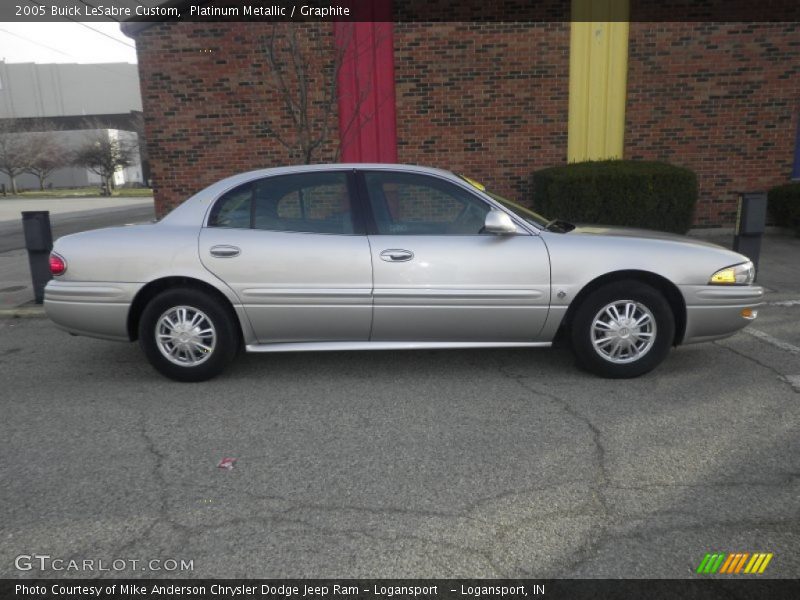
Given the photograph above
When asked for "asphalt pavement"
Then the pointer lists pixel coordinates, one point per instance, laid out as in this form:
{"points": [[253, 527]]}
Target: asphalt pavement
{"points": [[490, 463]]}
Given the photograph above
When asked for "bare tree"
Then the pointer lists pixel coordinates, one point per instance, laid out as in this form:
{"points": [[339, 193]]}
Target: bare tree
{"points": [[305, 82], [46, 154], [104, 155], [15, 153], [137, 126]]}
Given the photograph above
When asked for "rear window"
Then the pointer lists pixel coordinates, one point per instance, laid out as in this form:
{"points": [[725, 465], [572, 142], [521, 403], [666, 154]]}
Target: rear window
{"points": [[233, 209], [303, 202]]}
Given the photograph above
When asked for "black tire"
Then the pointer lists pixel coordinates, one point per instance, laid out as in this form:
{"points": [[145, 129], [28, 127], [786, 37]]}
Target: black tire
{"points": [[594, 347], [212, 312]]}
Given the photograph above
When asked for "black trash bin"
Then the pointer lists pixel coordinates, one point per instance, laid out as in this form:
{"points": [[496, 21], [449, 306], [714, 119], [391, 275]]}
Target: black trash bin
{"points": [[751, 219], [38, 243]]}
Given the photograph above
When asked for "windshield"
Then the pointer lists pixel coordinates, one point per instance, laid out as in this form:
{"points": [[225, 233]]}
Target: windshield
{"points": [[526, 214]]}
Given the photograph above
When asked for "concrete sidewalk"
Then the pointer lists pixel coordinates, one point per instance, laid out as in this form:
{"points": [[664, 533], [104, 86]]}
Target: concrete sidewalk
{"points": [[779, 271], [10, 208], [15, 280]]}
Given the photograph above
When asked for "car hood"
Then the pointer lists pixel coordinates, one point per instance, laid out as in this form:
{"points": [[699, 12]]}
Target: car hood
{"points": [[645, 234]]}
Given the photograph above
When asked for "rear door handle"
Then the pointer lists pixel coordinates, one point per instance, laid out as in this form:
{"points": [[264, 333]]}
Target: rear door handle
{"points": [[225, 251], [396, 255]]}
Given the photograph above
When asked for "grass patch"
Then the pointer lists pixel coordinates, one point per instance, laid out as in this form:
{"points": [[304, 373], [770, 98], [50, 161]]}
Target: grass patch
{"points": [[87, 192]]}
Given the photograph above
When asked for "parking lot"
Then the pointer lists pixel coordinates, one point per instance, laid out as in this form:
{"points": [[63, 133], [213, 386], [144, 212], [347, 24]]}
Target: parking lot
{"points": [[473, 463], [491, 463]]}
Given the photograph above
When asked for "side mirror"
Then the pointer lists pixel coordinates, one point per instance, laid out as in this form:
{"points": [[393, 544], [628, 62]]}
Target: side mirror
{"points": [[499, 222]]}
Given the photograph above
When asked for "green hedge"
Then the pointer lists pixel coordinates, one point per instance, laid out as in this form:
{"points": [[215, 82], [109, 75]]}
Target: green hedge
{"points": [[783, 203], [652, 195]]}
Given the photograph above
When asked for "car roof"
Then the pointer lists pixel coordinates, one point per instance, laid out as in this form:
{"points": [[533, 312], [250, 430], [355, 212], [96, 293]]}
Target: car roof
{"points": [[248, 175]]}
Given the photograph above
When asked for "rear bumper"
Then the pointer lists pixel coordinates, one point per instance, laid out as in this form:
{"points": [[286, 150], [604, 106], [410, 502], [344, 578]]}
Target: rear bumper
{"points": [[90, 308], [714, 312]]}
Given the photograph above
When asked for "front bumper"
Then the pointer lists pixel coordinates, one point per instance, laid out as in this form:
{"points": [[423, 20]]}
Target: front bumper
{"points": [[93, 309], [714, 312]]}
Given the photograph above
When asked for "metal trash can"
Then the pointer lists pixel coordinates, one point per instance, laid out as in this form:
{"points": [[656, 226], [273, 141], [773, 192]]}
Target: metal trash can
{"points": [[38, 243], [751, 219]]}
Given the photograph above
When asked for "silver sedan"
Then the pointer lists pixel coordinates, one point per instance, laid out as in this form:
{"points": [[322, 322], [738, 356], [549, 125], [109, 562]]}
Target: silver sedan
{"points": [[387, 257]]}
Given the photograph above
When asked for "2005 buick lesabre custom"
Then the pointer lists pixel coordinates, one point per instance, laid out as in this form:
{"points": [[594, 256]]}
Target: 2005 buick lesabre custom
{"points": [[363, 257]]}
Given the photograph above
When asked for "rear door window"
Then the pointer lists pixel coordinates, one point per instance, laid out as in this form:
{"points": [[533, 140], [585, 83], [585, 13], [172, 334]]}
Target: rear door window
{"points": [[305, 202], [233, 208]]}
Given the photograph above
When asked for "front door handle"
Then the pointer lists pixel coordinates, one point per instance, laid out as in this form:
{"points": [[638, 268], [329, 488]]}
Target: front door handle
{"points": [[225, 251], [396, 255]]}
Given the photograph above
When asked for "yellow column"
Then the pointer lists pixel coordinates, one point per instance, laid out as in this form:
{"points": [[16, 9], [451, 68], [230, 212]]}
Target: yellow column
{"points": [[598, 75]]}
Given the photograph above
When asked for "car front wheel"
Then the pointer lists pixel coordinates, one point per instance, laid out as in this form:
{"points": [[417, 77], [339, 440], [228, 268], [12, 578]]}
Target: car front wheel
{"points": [[187, 336], [622, 329]]}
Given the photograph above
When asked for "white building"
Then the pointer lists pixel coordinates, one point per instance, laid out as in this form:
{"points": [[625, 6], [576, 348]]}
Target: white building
{"points": [[68, 97]]}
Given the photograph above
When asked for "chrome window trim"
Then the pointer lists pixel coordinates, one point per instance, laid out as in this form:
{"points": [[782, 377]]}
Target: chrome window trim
{"points": [[446, 176]]}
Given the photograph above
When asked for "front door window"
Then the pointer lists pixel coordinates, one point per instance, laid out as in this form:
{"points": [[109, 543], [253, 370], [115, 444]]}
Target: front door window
{"points": [[411, 204]]}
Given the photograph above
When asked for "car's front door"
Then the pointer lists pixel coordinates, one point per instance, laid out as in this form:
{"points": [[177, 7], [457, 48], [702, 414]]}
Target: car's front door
{"points": [[437, 277], [290, 248]]}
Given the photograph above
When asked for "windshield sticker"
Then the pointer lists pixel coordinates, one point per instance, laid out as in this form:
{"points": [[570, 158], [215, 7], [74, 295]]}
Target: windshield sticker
{"points": [[474, 183]]}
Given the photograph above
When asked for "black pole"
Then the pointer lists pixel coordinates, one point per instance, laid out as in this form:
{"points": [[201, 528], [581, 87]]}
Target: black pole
{"points": [[38, 243]]}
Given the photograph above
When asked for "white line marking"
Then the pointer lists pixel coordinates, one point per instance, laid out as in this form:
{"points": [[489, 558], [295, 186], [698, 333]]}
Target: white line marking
{"points": [[784, 303], [765, 337]]}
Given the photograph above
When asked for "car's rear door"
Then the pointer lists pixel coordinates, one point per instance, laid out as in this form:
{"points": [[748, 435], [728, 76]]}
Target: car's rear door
{"points": [[293, 251], [437, 277]]}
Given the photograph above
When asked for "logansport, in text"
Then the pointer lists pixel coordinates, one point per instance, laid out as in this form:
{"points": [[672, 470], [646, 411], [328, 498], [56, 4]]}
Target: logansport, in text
{"points": [[282, 590]]}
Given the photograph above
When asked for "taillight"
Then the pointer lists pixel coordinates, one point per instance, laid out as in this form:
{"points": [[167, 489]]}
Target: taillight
{"points": [[58, 265]]}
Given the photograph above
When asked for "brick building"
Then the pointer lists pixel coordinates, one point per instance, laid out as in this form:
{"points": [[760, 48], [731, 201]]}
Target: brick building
{"points": [[494, 100]]}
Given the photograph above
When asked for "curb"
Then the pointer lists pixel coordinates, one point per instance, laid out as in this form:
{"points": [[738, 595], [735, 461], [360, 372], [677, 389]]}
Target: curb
{"points": [[23, 312]]}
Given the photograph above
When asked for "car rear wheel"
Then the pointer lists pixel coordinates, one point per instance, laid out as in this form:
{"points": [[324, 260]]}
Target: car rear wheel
{"points": [[187, 335], [622, 329]]}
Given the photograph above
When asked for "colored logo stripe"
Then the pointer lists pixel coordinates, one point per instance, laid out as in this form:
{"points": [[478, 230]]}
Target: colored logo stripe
{"points": [[758, 563], [734, 562], [711, 562], [729, 563]]}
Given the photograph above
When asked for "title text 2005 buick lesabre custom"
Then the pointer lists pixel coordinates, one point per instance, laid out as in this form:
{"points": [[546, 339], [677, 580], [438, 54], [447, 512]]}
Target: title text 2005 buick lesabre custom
{"points": [[362, 257]]}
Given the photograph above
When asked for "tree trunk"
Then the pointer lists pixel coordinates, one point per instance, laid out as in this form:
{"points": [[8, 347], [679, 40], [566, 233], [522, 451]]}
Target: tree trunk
{"points": [[13, 179], [41, 183]]}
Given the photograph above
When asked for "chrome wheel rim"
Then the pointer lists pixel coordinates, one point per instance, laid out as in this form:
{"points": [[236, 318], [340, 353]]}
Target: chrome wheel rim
{"points": [[185, 336], [623, 331]]}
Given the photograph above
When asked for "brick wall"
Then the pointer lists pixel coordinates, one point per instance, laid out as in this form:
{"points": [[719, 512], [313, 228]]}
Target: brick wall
{"points": [[209, 103], [719, 98], [486, 99], [489, 100]]}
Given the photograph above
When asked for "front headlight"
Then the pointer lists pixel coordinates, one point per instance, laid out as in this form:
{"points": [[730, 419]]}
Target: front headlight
{"points": [[742, 274]]}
